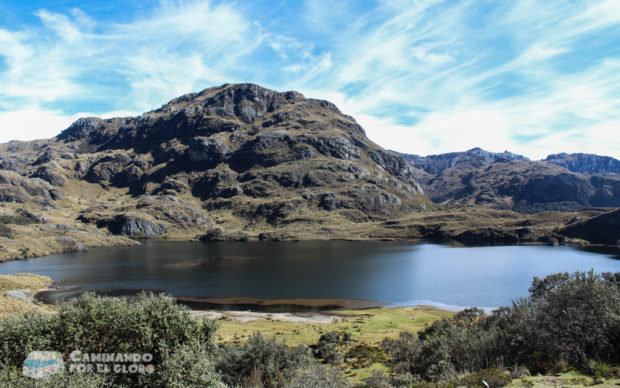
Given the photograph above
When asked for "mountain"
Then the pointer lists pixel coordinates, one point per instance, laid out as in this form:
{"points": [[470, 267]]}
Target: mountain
{"points": [[234, 157], [509, 181], [586, 163]]}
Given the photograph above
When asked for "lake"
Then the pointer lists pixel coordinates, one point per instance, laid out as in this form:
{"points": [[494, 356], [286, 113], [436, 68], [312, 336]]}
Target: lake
{"points": [[393, 273]]}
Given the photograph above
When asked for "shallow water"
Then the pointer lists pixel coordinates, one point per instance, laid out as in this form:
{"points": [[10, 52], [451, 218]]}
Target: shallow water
{"points": [[398, 273]]}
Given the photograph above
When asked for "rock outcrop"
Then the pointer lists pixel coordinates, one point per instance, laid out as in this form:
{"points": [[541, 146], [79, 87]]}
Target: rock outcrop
{"points": [[602, 229]]}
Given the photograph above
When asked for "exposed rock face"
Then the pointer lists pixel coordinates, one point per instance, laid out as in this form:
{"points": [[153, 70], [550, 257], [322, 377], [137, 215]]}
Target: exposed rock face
{"points": [[586, 163], [509, 181], [602, 229], [434, 164], [249, 154], [134, 226]]}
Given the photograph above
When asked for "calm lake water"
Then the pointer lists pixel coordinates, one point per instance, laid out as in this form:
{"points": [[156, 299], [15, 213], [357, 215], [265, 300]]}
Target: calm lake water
{"points": [[393, 273]]}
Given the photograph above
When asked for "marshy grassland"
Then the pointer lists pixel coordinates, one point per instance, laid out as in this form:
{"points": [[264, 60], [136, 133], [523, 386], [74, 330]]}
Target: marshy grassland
{"points": [[367, 326]]}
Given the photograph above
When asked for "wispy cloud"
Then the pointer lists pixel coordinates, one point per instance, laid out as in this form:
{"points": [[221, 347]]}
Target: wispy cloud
{"points": [[531, 76]]}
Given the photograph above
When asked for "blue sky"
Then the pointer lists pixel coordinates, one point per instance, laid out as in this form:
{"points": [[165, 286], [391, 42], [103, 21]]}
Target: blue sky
{"points": [[530, 76]]}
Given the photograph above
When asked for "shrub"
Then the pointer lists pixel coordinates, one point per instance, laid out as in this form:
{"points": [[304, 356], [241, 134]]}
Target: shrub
{"points": [[188, 367], [263, 359], [327, 348], [568, 321], [378, 379], [13, 378], [318, 376], [5, 230], [91, 324]]}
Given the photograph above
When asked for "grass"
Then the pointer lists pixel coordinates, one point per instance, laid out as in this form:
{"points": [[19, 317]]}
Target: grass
{"points": [[566, 379], [366, 326], [10, 306]]}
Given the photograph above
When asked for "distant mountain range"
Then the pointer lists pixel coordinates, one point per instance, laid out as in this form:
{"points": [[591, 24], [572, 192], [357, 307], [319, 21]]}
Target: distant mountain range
{"points": [[510, 181]]}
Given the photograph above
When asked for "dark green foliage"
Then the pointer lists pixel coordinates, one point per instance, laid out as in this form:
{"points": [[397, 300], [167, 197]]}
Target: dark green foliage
{"points": [[91, 324], [318, 376], [568, 321], [327, 348], [13, 378], [5, 230], [605, 370], [189, 366], [261, 360], [378, 379]]}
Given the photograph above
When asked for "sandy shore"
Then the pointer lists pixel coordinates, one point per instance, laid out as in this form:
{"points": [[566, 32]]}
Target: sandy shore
{"points": [[249, 316]]}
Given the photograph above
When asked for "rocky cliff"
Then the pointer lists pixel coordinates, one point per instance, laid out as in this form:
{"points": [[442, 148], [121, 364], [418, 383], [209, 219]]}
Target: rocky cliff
{"points": [[510, 181]]}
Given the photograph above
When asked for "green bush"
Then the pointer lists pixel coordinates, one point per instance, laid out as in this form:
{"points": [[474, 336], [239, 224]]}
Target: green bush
{"points": [[91, 324], [261, 360], [317, 376], [5, 230], [568, 321], [13, 378]]}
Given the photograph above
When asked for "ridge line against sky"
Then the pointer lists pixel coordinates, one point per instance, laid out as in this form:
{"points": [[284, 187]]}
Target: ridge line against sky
{"points": [[534, 77]]}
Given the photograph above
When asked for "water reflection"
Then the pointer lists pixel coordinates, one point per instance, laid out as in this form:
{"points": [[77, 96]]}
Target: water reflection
{"points": [[394, 272]]}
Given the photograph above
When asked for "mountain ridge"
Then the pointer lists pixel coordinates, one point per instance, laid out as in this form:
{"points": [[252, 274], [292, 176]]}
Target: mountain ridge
{"points": [[510, 181]]}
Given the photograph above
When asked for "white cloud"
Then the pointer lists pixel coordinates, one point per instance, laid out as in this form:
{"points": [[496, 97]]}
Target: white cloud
{"points": [[32, 124], [421, 76]]}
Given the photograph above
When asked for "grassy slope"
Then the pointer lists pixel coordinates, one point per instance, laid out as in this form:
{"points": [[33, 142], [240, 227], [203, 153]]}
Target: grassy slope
{"points": [[9, 306]]}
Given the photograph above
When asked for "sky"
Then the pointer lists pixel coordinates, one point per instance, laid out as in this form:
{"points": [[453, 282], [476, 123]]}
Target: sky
{"points": [[534, 77]]}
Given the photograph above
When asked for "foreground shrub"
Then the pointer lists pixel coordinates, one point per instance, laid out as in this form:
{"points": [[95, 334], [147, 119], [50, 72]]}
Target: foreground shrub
{"points": [[13, 378], [327, 349], [189, 366], [318, 376], [91, 324], [568, 321], [261, 361]]}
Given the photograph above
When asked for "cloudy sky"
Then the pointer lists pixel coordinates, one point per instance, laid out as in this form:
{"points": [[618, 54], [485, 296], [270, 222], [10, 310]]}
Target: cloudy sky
{"points": [[530, 76]]}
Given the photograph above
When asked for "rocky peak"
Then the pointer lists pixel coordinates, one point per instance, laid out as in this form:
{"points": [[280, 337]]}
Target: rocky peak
{"points": [[80, 129], [586, 163], [434, 164]]}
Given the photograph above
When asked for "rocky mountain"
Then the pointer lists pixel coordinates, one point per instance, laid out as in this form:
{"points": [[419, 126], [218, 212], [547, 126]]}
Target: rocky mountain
{"points": [[586, 163], [237, 157], [475, 158], [509, 181]]}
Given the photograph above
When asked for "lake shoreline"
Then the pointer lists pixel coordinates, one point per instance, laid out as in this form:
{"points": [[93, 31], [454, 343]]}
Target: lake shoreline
{"points": [[293, 239]]}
